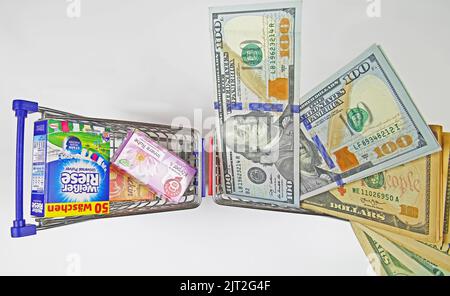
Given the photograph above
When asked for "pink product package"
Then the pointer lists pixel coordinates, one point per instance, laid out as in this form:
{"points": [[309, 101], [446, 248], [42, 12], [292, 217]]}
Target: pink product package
{"points": [[153, 165]]}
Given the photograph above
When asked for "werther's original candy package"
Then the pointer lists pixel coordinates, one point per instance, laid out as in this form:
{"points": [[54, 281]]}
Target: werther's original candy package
{"points": [[70, 169], [154, 165]]}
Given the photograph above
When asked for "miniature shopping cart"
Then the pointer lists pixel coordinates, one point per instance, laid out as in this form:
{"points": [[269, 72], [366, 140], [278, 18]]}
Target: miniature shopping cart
{"points": [[189, 147], [215, 188]]}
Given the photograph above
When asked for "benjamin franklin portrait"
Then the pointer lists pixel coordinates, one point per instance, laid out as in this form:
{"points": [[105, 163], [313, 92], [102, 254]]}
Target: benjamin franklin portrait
{"points": [[261, 139]]}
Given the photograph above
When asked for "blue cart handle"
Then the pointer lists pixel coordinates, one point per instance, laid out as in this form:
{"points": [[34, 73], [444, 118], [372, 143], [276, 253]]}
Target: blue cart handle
{"points": [[21, 109]]}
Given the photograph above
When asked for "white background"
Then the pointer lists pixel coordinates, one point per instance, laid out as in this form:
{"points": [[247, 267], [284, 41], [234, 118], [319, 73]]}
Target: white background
{"points": [[150, 61]]}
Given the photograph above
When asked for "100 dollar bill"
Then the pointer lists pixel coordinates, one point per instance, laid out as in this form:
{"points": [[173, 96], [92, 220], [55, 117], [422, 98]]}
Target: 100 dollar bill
{"points": [[357, 123], [391, 259], [256, 65], [405, 199]]}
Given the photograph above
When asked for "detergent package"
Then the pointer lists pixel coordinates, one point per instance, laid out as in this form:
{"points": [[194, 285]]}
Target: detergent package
{"points": [[70, 174], [163, 171]]}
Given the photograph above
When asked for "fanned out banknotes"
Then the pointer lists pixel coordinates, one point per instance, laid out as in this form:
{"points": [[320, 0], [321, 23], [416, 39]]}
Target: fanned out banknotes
{"points": [[390, 252], [405, 199], [385, 228], [355, 147], [357, 123], [280, 149]]}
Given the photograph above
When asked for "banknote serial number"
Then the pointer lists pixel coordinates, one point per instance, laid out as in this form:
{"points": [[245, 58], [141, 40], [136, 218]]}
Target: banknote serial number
{"points": [[380, 135], [378, 195]]}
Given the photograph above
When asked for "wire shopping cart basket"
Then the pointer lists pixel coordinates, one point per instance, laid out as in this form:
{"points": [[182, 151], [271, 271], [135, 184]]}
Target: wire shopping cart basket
{"points": [[189, 146], [221, 198]]}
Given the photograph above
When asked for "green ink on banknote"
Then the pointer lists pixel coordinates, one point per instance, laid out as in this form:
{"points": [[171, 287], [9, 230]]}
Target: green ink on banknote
{"points": [[375, 181], [252, 54], [357, 117]]}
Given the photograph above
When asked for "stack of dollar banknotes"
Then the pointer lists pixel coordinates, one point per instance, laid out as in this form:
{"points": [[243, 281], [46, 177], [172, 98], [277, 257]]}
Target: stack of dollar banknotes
{"points": [[355, 147]]}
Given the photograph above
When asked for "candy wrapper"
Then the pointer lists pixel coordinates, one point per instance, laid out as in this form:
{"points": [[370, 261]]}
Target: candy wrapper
{"points": [[124, 187], [153, 165]]}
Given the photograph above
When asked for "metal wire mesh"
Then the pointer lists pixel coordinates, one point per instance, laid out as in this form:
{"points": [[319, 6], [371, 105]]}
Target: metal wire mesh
{"points": [[223, 199], [185, 142]]}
